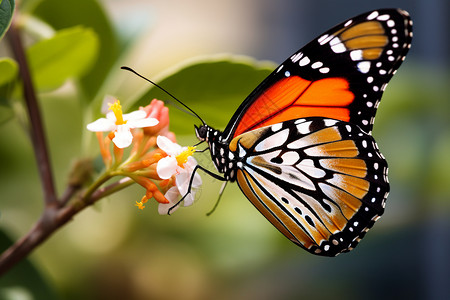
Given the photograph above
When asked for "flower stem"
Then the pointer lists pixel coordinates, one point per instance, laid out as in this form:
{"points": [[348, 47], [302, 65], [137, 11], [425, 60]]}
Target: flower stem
{"points": [[36, 127]]}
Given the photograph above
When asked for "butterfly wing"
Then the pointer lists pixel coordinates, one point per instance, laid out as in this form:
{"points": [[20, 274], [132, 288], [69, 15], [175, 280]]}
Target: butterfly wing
{"points": [[321, 182], [341, 75]]}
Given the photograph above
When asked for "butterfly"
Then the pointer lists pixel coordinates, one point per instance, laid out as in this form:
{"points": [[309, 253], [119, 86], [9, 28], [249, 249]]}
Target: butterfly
{"points": [[300, 145]]}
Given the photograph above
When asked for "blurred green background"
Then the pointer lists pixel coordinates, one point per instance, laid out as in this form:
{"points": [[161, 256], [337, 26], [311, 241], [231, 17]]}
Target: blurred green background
{"points": [[114, 251]]}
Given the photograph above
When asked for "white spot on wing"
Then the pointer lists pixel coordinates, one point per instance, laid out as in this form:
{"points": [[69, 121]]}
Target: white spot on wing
{"points": [[322, 39], [275, 140], [364, 66], [373, 15], [279, 68], [295, 58], [303, 128], [335, 41], [338, 48], [290, 158], [268, 156], [307, 166], [304, 61], [383, 18], [316, 65], [356, 55], [329, 122], [276, 127]]}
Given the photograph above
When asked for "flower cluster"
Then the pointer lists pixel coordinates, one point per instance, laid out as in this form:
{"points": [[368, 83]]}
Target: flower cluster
{"points": [[156, 162]]}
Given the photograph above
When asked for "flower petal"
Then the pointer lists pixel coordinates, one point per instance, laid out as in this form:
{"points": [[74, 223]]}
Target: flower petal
{"points": [[111, 116], [141, 123], [166, 167], [135, 115], [172, 195], [101, 124], [167, 145], [197, 182], [189, 199], [122, 137], [182, 181]]}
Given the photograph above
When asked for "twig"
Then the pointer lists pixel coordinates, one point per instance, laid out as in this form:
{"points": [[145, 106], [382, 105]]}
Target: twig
{"points": [[52, 219], [36, 127]]}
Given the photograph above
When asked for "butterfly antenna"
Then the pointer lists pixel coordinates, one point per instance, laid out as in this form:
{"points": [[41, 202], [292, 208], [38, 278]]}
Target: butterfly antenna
{"points": [[165, 91]]}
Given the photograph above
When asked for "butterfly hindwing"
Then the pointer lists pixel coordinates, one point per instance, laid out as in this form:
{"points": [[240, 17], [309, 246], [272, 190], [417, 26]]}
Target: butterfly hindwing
{"points": [[341, 75], [321, 182]]}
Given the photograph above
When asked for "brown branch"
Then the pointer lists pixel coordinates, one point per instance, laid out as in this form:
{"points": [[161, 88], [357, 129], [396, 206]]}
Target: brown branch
{"points": [[51, 220], [45, 227], [36, 127]]}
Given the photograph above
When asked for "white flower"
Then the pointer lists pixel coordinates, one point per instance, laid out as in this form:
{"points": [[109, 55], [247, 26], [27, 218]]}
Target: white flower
{"points": [[178, 162], [122, 124], [172, 195]]}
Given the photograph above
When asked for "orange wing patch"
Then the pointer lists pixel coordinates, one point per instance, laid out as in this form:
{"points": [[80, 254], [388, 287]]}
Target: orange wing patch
{"points": [[370, 37], [346, 148], [294, 97], [350, 166], [348, 204], [271, 211]]}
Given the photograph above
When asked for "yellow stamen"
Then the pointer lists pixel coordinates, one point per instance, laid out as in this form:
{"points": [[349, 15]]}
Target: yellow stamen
{"points": [[183, 156], [117, 109], [140, 205]]}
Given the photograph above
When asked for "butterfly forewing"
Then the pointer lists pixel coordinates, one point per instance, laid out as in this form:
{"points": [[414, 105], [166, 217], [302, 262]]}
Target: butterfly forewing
{"points": [[341, 75], [321, 182]]}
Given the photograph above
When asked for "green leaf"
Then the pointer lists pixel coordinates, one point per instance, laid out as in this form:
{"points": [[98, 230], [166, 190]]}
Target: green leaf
{"points": [[213, 87], [6, 13], [68, 54], [8, 70], [89, 13]]}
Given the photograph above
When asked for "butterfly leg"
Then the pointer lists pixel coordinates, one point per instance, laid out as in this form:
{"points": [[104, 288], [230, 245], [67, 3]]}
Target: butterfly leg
{"points": [[218, 199], [197, 167]]}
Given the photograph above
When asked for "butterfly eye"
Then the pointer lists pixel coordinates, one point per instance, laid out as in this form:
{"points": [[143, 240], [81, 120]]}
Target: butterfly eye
{"points": [[201, 132]]}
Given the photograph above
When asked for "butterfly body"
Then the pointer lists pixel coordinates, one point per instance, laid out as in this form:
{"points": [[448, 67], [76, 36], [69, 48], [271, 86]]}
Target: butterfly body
{"points": [[225, 160], [300, 145]]}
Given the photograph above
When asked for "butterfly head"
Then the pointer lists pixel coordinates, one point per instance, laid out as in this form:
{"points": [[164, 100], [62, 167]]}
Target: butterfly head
{"points": [[201, 132]]}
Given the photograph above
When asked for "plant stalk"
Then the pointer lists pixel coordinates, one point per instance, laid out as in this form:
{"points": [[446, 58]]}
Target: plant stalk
{"points": [[36, 127]]}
